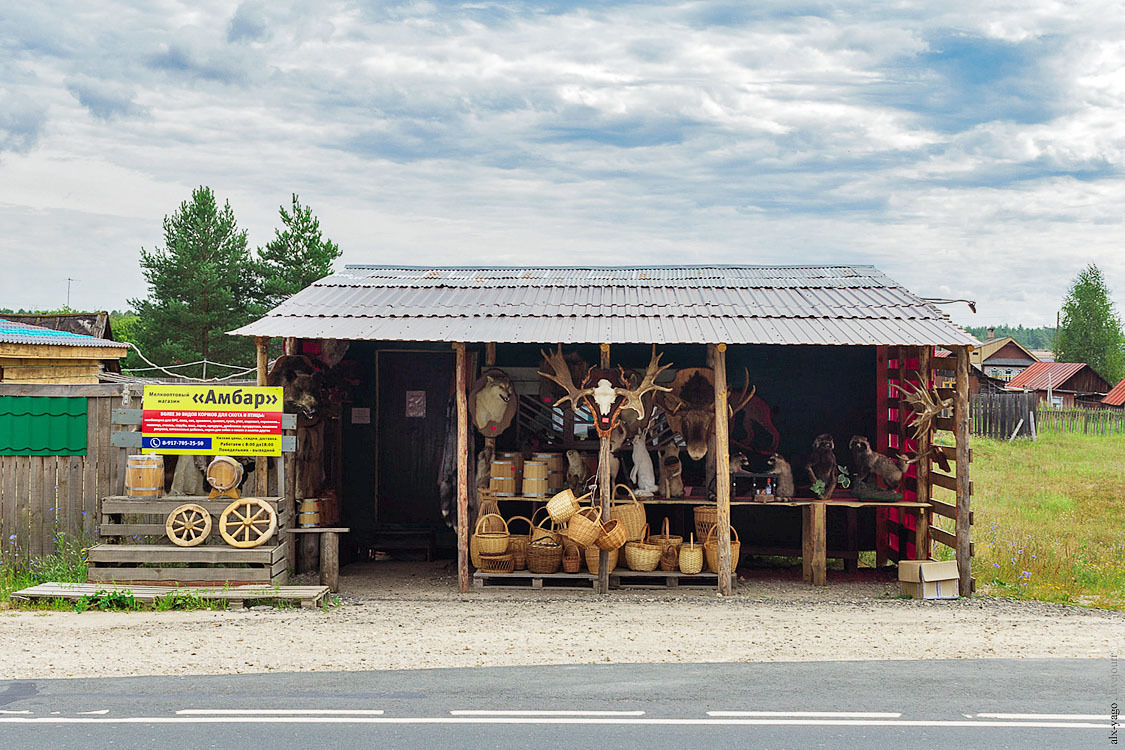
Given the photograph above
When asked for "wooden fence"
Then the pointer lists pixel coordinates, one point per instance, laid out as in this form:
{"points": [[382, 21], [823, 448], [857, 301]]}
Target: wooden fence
{"points": [[1000, 415], [1099, 422], [43, 496]]}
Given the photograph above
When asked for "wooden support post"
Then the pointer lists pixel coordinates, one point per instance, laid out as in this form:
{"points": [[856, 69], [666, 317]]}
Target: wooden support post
{"points": [[261, 464], [851, 520], [722, 466], [961, 432], [882, 550], [462, 470], [922, 480], [330, 560], [605, 487]]}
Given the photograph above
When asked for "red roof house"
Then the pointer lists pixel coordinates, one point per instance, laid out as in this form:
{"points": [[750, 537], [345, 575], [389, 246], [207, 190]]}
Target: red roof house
{"points": [[1116, 397], [1065, 383]]}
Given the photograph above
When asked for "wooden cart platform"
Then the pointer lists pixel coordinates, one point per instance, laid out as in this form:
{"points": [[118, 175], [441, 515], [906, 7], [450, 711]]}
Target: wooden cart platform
{"points": [[617, 579], [307, 596]]}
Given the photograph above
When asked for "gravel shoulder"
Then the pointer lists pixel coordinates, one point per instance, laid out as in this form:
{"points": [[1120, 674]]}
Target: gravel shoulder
{"points": [[410, 616]]}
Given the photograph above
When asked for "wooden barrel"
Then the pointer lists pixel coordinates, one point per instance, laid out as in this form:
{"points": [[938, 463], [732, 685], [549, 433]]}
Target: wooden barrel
{"points": [[144, 476], [503, 481], [535, 486], [534, 470], [516, 459], [224, 473], [555, 461], [309, 513]]}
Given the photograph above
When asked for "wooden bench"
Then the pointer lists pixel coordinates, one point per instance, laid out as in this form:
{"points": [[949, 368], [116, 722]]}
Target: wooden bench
{"points": [[329, 552]]}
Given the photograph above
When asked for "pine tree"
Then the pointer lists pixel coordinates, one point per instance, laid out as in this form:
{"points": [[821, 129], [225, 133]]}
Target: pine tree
{"points": [[296, 257], [201, 284], [1090, 330]]}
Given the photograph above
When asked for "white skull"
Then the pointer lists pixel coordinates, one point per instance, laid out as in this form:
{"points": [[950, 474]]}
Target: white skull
{"points": [[604, 396]]}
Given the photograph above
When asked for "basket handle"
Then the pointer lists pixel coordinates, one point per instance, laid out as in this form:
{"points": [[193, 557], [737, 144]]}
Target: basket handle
{"points": [[712, 531], [520, 518], [664, 528], [644, 533], [578, 500], [540, 524], [487, 515], [627, 489], [597, 513]]}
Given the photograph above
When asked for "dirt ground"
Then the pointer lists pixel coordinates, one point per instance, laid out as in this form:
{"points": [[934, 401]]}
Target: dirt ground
{"points": [[409, 615]]}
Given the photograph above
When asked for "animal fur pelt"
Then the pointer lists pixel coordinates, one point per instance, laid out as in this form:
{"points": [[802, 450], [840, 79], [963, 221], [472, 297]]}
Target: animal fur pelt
{"points": [[642, 476], [822, 465], [671, 471], [484, 466], [301, 383], [447, 475], [867, 462], [783, 486], [493, 402]]}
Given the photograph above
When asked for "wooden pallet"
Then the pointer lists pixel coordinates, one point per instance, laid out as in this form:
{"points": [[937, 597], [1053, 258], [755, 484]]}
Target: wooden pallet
{"points": [[307, 596], [135, 516], [206, 564], [617, 579]]}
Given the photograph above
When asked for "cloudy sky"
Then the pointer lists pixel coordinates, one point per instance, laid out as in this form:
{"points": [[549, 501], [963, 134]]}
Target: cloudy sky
{"points": [[967, 149]]}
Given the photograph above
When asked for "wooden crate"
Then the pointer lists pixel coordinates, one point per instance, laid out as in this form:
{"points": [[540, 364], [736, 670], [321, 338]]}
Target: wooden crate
{"points": [[204, 564]]}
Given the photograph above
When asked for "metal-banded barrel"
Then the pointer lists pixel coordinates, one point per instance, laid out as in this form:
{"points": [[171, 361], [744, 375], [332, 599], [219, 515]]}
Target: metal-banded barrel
{"points": [[144, 476]]}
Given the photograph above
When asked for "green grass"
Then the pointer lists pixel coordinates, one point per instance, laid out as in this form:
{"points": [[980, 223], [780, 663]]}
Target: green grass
{"points": [[66, 564], [1049, 519]]}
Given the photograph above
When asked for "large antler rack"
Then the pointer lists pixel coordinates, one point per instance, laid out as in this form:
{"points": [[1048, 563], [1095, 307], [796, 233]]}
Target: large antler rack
{"points": [[561, 376], [634, 396], [925, 403], [738, 403]]}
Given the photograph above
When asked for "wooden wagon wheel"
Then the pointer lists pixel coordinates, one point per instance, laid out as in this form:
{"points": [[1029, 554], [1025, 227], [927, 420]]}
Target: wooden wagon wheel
{"points": [[247, 522], [188, 525]]}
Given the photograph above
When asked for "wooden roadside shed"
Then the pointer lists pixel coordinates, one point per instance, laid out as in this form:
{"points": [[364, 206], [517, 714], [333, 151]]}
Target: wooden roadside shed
{"points": [[826, 347], [35, 354]]}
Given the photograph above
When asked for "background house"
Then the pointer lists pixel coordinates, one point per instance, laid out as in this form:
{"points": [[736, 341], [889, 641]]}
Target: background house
{"points": [[1002, 358], [1115, 399], [33, 354], [1064, 384], [94, 324]]}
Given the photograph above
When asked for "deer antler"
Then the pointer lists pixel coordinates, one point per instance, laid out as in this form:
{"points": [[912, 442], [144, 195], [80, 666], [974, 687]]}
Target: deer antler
{"points": [[926, 405], [739, 403], [561, 376], [648, 384]]}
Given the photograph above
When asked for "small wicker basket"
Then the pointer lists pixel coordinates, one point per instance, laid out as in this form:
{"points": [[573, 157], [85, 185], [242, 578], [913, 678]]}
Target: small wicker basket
{"points": [[630, 514], [504, 563], [612, 536], [691, 557], [492, 534], [571, 559], [517, 543], [706, 516], [711, 550], [642, 556], [563, 506], [585, 526], [544, 556], [592, 559]]}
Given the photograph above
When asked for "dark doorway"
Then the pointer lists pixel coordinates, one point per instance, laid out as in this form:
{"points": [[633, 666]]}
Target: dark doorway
{"points": [[413, 391]]}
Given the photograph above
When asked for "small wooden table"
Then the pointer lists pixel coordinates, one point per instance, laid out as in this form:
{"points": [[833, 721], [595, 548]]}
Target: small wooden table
{"points": [[329, 552]]}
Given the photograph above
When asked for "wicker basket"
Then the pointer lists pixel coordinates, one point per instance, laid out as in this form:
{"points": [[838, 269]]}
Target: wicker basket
{"points": [[664, 539], [474, 551], [517, 543], [585, 526], [630, 514], [706, 516], [504, 563], [612, 536], [691, 557], [592, 559], [711, 550], [539, 531], [544, 556], [670, 557], [563, 506], [641, 555], [492, 535], [571, 559]]}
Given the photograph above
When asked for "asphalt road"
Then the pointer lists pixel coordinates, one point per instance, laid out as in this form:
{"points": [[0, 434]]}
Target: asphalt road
{"points": [[897, 704]]}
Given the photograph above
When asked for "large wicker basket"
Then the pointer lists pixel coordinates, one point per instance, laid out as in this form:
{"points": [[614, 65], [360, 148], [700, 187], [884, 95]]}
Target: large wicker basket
{"points": [[631, 514], [504, 563], [592, 559], [641, 555], [517, 543], [563, 506], [711, 550], [706, 516], [540, 531], [691, 557], [544, 556], [585, 526], [612, 536], [492, 535]]}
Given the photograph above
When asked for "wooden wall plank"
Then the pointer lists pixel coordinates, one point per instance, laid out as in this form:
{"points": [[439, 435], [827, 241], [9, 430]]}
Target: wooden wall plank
{"points": [[21, 529], [7, 504]]}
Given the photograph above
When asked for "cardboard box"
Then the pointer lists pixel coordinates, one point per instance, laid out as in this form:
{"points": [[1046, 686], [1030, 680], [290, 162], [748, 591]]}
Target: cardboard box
{"points": [[929, 579]]}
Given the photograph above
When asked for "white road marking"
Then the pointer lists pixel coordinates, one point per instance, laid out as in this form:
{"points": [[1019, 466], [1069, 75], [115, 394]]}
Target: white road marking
{"points": [[280, 712], [94, 713], [807, 714], [469, 712], [576, 720], [14, 712], [1048, 717]]}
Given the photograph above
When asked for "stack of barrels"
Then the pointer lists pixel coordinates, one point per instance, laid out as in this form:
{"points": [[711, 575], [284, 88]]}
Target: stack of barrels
{"points": [[542, 475]]}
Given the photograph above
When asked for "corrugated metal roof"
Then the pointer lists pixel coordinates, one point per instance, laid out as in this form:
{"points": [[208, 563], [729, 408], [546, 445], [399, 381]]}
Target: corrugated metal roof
{"points": [[847, 305], [1039, 375], [42, 426], [1116, 397], [21, 333]]}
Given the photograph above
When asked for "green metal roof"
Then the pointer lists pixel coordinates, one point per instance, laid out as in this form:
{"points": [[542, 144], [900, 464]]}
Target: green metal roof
{"points": [[42, 426]]}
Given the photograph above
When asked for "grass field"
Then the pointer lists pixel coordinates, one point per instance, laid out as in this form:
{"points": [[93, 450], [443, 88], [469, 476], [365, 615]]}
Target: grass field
{"points": [[1050, 519]]}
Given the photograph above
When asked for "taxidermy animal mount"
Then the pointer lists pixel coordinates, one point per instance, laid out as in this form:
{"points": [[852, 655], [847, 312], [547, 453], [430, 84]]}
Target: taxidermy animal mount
{"points": [[671, 471], [737, 463], [868, 462], [783, 486], [302, 384], [689, 406], [549, 391], [575, 471], [757, 412], [821, 465], [642, 476], [493, 402], [604, 392]]}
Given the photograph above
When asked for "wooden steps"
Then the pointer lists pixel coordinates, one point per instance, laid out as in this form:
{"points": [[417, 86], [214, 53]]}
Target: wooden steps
{"points": [[307, 596], [206, 564], [619, 578]]}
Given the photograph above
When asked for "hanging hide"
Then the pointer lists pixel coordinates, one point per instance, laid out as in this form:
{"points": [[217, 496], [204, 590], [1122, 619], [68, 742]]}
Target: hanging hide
{"points": [[493, 402], [757, 412]]}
